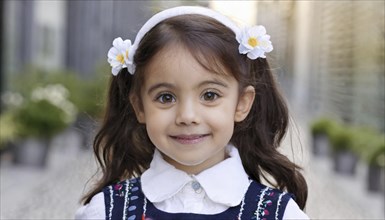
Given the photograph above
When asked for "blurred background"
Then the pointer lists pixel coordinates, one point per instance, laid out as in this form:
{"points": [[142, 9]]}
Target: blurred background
{"points": [[328, 58]]}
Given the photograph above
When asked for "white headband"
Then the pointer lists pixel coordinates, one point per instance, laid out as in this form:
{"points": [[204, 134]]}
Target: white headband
{"points": [[253, 40]]}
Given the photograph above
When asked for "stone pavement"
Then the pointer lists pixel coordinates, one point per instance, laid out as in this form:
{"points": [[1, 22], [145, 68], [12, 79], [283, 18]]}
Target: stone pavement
{"points": [[51, 193], [54, 192], [334, 196]]}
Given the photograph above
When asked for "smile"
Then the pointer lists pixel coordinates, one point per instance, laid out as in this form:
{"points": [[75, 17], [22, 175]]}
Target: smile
{"points": [[189, 139]]}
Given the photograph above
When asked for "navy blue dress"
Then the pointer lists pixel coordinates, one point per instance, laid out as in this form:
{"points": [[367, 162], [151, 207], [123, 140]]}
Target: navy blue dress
{"points": [[125, 200]]}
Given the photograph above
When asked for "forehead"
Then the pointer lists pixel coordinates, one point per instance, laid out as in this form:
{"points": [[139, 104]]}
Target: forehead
{"points": [[177, 54], [178, 62]]}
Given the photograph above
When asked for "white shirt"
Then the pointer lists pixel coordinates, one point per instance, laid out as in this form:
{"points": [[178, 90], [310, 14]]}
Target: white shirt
{"points": [[191, 193]]}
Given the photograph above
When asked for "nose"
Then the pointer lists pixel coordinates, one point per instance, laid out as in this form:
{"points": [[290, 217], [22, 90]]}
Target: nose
{"points": [[187, 113]]}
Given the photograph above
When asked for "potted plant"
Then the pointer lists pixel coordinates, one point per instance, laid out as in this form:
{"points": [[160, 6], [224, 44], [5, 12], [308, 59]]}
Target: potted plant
{"points": [[320, 129], [7, 131], [42, 115], [374, 154], [344, 157], [87, 94]]}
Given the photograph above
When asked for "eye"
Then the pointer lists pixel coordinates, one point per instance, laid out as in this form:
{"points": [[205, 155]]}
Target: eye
{"points": [[210, 96], [165, 98]]}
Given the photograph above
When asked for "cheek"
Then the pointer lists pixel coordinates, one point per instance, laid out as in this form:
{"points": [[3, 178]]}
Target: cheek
{"points": [[157, 120], [222, 118]]}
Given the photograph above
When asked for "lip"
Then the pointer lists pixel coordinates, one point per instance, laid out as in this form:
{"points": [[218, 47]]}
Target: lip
{"points": [[189, 139]]}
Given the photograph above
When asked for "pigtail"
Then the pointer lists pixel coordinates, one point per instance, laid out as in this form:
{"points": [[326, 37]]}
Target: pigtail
{"points": [[118, 146], [261, 133]]}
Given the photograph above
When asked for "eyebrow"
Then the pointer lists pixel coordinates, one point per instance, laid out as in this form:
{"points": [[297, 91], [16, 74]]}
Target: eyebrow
{"points": [[214, 81], [159, 85], [170, 86]]}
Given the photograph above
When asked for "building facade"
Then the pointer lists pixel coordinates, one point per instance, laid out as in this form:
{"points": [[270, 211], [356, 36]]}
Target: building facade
{"points": [[74, 35], [331, 56]]}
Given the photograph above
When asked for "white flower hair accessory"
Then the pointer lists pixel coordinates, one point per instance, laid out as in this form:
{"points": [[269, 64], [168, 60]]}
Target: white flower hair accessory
{"points": [[252, 41], [118, 55]]}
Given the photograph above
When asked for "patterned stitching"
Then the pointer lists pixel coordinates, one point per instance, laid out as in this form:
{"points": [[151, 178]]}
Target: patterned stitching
{"points": [[243, 202], [241, 209], [126, 200], [111, 202], [144, 208], [278, 204], [256, 213]]}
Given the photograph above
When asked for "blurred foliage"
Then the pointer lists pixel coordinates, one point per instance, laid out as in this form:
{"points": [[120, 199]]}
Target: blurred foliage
{"points": [[367, 143], [322, 126], [7, 129], [41, 103], [378, 156], [93, 91], [39, 119], [42, 112], [341, 137], [86, 94]]}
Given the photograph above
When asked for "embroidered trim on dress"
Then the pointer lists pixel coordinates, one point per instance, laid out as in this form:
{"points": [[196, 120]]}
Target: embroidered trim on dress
{"points": [[278, 204], [111, 202], [126, 200], [243, 202], [144, 208], [241, 209], [256, 213]]}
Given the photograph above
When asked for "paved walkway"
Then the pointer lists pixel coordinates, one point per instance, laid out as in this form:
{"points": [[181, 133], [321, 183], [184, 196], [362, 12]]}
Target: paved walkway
{"points": [[53, 193], [333, 196]]}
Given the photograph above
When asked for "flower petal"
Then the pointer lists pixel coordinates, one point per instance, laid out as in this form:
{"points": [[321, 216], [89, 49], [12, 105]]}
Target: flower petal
{"points": [[257, 31], [115, 63], [254, 54], [115, 70], [117, 42], [243, 49], [112, 53]]}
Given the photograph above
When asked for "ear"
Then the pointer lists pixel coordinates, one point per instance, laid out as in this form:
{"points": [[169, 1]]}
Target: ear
{"points": [[134, 100], [245, 102]]}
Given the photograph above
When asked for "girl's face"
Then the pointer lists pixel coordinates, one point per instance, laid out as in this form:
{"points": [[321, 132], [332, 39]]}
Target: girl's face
{"points": [[190, 112]]}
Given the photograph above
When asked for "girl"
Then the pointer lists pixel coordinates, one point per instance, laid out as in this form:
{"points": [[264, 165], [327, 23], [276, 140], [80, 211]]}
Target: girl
{"points": [[192, 126]]}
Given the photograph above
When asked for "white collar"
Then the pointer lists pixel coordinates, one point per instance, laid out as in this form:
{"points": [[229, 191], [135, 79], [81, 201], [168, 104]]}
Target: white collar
{"points": [[225, 183]]}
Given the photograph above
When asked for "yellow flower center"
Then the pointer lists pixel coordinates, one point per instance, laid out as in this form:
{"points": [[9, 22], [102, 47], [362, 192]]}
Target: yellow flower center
{"points": [[120, 58], [253, 41]]}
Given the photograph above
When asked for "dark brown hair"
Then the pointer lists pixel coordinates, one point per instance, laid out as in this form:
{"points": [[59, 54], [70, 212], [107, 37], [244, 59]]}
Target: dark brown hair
{"points": [[122, 146]]}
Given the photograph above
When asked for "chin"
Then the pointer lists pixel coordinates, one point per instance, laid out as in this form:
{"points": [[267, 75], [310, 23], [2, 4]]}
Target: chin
{"points": [[189, 163]]}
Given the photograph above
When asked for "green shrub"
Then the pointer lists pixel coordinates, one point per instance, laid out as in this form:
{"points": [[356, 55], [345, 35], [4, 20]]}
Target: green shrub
{"points": [[364, 140], [44, 112], [322, 126], [376, 154], [367, 143], [39, 119], [87, 94], [341, 137], [7, 129], [91, 96]]}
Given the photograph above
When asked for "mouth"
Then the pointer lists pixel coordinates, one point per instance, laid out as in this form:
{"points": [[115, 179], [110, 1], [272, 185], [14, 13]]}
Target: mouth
{"points": [[189, 139]]}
